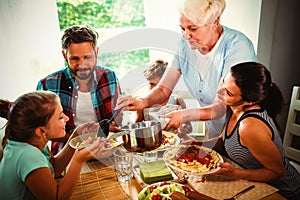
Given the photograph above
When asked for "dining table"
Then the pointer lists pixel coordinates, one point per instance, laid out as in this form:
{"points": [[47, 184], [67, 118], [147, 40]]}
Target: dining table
{"points": [[98, 181]]}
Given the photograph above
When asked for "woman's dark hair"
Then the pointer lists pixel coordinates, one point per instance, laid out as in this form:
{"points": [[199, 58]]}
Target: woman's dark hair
{"points": [[254, 81], [29, 112], [78, 34]]}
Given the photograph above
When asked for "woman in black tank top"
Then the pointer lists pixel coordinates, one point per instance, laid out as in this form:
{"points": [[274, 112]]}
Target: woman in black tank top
{"points": [[251, 135]]}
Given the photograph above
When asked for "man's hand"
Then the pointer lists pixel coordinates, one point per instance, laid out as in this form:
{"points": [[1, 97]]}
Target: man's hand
{"points": [[113, 127]]}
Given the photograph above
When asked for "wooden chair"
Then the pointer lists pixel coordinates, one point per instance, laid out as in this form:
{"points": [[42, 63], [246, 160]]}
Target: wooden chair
{"points": [[291, 140]]}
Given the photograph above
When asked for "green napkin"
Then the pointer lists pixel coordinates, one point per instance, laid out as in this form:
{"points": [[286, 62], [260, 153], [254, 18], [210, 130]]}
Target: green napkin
{"points": [[155, 171]]}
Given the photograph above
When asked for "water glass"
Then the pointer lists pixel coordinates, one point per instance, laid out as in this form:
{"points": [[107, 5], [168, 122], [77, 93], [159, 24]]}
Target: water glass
{"points": [[123, 165], [150, 156]]}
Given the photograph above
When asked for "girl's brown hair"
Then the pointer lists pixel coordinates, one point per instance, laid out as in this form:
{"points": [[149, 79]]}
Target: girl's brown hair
{"points": [[29, 112]]}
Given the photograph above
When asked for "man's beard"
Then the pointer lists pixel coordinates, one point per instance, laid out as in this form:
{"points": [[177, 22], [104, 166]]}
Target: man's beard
{"points": [[83, 76]]}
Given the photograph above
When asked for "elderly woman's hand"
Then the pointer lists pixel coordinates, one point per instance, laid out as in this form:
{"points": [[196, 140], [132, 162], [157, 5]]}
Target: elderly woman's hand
{"points": [[129, 103], [176, 119]]}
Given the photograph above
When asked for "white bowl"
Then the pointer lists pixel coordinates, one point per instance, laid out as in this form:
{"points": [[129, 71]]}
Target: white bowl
{"points": [[74, 143]]}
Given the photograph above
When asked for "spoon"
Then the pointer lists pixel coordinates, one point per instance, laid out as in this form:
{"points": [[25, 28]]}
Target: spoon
{"points": [[104, 125]]}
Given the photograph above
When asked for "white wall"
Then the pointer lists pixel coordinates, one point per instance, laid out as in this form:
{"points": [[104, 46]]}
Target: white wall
{"points": [[243, 15], [29, 44]]}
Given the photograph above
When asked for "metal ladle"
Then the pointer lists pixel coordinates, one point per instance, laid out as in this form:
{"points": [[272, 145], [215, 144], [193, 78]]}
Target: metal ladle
{"points": [[103, 130]]}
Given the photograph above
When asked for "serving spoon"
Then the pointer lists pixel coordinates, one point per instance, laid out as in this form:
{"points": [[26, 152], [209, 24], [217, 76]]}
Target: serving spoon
{"points": [[103, 130]]}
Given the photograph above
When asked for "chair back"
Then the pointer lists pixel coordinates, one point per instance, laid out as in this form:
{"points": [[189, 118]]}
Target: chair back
{"points": [[291, 140]]}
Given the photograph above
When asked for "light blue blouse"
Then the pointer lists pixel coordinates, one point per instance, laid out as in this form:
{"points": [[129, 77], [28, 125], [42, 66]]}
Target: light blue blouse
{"points": [[232, 48]]}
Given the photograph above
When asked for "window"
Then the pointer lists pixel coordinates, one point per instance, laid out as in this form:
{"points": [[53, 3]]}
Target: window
{"points": [[108, 17], [102, 14]]}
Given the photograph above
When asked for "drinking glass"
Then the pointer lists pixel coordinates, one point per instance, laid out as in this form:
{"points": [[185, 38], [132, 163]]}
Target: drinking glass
{"points": [[123, 165], [150, 156]]}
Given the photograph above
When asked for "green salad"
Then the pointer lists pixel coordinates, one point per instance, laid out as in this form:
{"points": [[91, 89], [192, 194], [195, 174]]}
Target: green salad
{"points": [[161, 191]]}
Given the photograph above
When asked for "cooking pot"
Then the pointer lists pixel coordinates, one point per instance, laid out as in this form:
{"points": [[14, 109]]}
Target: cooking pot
{"points": [[142, 136]]}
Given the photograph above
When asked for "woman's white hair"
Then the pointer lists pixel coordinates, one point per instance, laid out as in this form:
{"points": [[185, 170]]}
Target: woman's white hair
{"points": [[201, 12]]}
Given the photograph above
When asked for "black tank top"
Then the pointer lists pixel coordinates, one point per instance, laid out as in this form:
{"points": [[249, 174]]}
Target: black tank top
{"points": [[242, 156]]}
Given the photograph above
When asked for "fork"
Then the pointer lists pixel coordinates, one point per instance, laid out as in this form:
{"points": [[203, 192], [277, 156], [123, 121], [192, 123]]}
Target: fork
{"points": [[240, 193]]}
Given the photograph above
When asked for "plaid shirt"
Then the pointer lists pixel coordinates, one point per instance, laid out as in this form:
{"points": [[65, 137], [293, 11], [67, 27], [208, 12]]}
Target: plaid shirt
{"points": [[104, 92]]}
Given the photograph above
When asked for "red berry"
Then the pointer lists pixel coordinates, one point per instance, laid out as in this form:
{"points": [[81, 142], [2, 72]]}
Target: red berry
{"points": [[152, 187], [163, 183], [156, 197]]}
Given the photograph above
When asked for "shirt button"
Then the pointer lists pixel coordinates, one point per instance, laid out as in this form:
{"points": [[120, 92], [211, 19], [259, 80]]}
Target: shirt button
{"points": [[200, 91], [75, 97], [70, 87]]}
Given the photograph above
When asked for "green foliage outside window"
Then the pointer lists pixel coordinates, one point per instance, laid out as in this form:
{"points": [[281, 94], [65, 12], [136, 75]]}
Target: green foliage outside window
{"points": [[124, 62], [107, 14], [101, 13]]}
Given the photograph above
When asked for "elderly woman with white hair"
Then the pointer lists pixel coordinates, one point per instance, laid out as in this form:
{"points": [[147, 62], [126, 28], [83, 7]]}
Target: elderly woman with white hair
{"points": [[205, 53]]}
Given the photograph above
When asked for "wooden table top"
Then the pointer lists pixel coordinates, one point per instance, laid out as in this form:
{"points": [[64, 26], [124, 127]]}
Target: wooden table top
{"points": [[98, 181]]}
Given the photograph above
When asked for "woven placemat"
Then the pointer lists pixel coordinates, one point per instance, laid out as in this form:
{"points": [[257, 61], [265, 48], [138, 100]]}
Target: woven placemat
{"points": [[104, 186], [93, 165], [220, 187]]}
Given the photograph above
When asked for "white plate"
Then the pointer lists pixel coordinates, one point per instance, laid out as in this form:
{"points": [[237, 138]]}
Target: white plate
{"points": [[157, 184], [167, 147], [74, 143], [169, 156]]}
